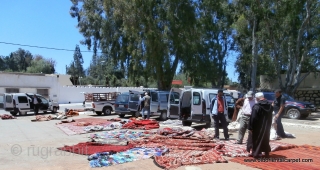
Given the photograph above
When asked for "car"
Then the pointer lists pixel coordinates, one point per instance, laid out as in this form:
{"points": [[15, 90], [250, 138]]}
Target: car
{"points": [[128, 103], [21, 103], [294, 109], [100, 103]]}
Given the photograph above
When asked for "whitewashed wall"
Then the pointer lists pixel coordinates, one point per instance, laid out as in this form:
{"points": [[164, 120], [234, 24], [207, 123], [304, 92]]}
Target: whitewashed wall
{"points": [[74, 94], [59, 86]]}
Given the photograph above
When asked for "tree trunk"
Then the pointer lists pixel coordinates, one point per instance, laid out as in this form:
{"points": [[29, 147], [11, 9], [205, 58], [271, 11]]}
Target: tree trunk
{"points": [[254, 56]]}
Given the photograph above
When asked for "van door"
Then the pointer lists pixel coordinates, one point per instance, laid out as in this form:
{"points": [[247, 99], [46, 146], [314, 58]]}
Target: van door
{"points": [[196, 105], [2, 99], [174, 103], [8, 103], [154, 102], [133, 101], [22, 102], [44, 105]]}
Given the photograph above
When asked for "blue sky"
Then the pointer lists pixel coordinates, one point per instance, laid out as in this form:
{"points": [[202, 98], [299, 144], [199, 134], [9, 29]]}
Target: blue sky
{"points": [[47, 23]]}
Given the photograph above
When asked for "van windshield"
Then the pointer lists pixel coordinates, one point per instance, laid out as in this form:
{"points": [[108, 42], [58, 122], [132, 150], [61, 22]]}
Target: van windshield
{"points": [[122, 98]]}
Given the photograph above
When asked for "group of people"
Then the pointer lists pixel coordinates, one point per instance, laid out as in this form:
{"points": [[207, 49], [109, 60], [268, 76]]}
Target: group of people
{"points": [[254, 113]]}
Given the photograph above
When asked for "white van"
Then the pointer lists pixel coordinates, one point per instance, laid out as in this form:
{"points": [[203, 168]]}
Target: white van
{"points": [[22, 103], [194, 105]]}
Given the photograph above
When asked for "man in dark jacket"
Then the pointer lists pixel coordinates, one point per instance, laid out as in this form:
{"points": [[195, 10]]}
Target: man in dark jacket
{"points": [[36, 101], [259, 127]]}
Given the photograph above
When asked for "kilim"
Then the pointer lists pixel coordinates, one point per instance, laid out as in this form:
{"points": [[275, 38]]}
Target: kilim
{"points": [[177, 158], [89, 148], [78, 127], [304, 157], [141, 124]]}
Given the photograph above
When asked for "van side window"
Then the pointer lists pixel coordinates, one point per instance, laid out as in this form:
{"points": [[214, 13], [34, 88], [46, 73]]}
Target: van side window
{"points": [[176, 98], [8, 99], [22, 99], [154, 96], [196, 98], [164, 97]]}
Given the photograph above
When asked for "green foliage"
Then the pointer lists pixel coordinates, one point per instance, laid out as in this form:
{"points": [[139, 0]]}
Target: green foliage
{"points": [[23, 61], [41, 65]]}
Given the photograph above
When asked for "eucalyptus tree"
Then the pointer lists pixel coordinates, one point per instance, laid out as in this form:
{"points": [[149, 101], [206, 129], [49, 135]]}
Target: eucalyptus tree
{"points": [[291, 32], [145, 38]]}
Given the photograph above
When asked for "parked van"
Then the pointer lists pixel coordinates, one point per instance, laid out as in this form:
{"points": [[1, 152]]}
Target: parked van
{"points": [[22, 103], [128, 103], [194, 105], [159, 102]]}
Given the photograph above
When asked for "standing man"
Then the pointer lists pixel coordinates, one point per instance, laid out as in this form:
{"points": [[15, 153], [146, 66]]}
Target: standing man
{"points": [[245, 116], [278, 105], [146, 102], [237, 108], [219, 113], [36, 102], [259, 127]]}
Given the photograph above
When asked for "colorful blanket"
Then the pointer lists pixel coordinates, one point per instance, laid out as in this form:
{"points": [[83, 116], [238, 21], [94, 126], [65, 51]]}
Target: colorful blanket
{"points": [[89, 148], [134, 154], [122, 134], [141, 124]]}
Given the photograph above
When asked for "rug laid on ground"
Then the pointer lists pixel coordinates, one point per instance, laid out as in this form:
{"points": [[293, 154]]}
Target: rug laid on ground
{"points": [[134, 154], [89, 148], [122, 135], [6, 116], [141, 124], [240, 150], [85, 125], [304, 157], [182, 151]]}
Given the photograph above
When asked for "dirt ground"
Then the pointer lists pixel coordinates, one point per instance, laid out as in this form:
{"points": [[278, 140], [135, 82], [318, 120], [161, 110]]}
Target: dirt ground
{"points": [[32, 145]]}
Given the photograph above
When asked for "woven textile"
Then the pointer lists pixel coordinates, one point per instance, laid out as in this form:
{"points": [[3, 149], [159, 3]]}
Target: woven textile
{"points": [[228, 148], [134, 154], [177, 158], [80, 126], [89, 148], [141, 124], [304, 157]]}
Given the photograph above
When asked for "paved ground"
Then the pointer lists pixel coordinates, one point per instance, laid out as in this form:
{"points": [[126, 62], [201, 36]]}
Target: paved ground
{"points": [[32, 145]]}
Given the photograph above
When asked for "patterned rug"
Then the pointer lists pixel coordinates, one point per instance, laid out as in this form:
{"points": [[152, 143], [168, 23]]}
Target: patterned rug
{"points": [[89, 148], [141, 124], [134, 154], [304, 157], [80, 126], [240, 150]]}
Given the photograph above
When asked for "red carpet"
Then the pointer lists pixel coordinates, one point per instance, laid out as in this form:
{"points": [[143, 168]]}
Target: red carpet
{"points": [[89, 148], [309, 154], [141, 124]]}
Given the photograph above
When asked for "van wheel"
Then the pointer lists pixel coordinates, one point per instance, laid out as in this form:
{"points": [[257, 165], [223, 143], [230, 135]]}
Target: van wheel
{"points": [[186, 123], [163, 115], [136, 114], [107, 111], [54, 110], [99, 113], [13, 113], [121, 115]]}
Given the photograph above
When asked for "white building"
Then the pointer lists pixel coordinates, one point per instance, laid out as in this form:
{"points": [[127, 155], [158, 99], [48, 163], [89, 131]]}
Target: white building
{"points": [[58, 87]]}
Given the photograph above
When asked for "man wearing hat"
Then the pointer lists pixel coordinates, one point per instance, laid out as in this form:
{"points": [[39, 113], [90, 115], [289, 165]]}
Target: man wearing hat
{"points": [[259, 127], [245, 115]]}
